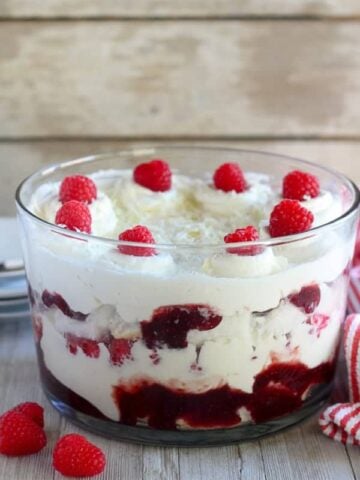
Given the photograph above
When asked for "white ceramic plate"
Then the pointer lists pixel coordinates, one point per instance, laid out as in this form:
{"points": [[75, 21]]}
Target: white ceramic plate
{"points": [[13, 302], [15, 315], [22, 307], [10, 249]]}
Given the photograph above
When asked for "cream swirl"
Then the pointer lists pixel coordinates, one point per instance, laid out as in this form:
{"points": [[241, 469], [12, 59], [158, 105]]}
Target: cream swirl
{"points": [[232, 265], [45, 203]]}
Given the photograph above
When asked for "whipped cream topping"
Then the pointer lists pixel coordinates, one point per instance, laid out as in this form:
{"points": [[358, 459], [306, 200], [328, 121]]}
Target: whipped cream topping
{"points": [[187, 214], [193, 212], [45, 203], [324, 208], [229, 265]]}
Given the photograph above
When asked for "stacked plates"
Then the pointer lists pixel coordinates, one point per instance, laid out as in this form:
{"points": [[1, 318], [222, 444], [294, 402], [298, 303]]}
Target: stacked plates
{"points": [[14, 303]]}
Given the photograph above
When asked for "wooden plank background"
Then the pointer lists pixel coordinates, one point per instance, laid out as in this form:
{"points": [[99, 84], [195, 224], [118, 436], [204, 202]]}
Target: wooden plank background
{"points": [[179, 79], [174, 8], [83, 76]]}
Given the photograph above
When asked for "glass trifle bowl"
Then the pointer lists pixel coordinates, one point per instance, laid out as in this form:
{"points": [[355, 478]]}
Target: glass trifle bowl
{"points": [[187, 295]]}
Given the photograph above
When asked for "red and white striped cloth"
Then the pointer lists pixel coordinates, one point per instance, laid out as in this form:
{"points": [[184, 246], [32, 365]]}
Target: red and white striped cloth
{"points": [[354, 290], [354, 286], [342, 421]]}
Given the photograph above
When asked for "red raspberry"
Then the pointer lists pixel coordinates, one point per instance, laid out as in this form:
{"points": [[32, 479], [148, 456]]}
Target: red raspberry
{"points": [[20, 435], [89, 347], [120, 350], [77, 187], [138, 234], [229, 177], [300, 186], [32, 410], [288, 218], [75, 216], [154, 175], [307, 299], [247, 234], [75, 456]]}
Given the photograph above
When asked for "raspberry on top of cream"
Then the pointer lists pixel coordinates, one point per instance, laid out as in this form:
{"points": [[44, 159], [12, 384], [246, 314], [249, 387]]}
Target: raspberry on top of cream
{"points": [[172, 208], [180, 209], [184, 210]]}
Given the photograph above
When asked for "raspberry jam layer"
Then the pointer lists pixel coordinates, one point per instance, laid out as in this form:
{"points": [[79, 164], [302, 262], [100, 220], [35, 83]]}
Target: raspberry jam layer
{"points": [[56, 300], [277, 391], [170, 325]]}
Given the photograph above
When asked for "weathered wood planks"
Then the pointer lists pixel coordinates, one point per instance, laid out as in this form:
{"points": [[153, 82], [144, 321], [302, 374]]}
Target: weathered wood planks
{"points": [[173, 8], [179, 79]]}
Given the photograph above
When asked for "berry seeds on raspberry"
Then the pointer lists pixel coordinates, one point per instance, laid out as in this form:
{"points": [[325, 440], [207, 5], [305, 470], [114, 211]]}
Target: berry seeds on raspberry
{"points": [[75, 456], [74, 216], [247, 234], [32, 410], [154, 175], [138, 234], [20, 435], [300, 186], [77, 187], [289, 217], [229, 177]]}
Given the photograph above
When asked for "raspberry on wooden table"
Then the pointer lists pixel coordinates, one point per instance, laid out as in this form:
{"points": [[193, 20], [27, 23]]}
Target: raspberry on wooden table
{"points": [[75, 456], [229, 177], [289, 217], [77, 187], [138, 234], [299, 185], [247, 234], [74, 216], [154, 175], [32, 410], [20, 435]]}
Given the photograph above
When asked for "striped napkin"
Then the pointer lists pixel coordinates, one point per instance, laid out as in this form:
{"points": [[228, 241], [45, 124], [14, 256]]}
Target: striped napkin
{"points": [[342, 420], [354, 286]]}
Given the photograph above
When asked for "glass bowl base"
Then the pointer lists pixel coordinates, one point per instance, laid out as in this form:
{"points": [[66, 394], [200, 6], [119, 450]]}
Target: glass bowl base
{"points": [[189, 438]]}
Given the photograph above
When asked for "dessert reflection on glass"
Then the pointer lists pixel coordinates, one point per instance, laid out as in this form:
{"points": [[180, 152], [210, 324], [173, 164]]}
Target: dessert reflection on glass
{"points": [[194, 301]]}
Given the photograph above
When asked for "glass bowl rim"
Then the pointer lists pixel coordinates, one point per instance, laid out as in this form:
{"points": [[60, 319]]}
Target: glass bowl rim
{"points": [[152, 150]]}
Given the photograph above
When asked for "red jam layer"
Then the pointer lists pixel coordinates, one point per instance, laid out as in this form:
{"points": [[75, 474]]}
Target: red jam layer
{"points": [[56, 300], [170, 325], [277, 391]]}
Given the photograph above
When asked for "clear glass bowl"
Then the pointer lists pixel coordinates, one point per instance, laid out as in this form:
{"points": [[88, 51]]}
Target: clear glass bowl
{"points": [[209, 359]]}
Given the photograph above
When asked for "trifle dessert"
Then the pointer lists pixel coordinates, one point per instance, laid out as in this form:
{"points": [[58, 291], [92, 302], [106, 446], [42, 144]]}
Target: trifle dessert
{"points": [[176, 297]]}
